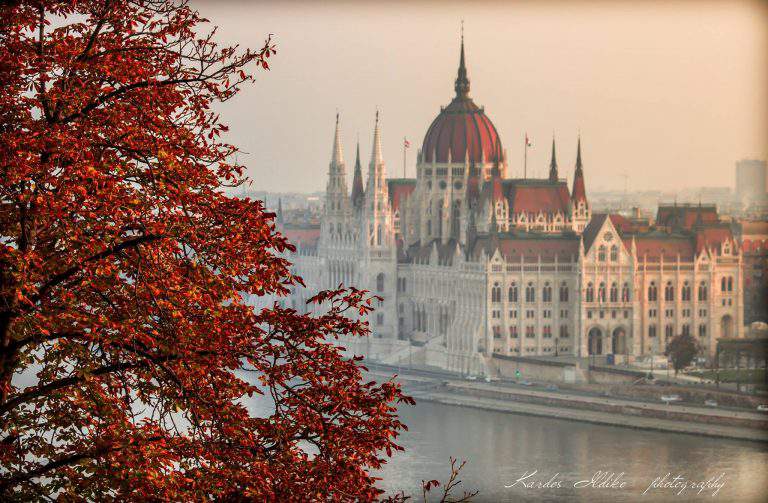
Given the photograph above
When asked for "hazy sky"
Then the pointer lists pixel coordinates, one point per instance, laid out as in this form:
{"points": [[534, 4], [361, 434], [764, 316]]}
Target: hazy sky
{"points": [[670, 94]]}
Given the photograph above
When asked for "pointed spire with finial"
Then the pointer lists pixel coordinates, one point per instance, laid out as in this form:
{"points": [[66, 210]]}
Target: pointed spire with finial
{"points": [[462, 82], [358, 192], [553, 163], [578, 193], [338, 153], [376, 156]]}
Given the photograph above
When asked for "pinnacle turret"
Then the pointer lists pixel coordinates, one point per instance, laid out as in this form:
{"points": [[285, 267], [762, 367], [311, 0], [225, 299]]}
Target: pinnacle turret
{"points": [[553, 164], [358, 192], [337, 157], [579, 193]]}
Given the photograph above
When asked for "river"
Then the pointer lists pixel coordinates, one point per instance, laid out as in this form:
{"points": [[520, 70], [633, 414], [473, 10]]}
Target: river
{"points": [[500, 448]]}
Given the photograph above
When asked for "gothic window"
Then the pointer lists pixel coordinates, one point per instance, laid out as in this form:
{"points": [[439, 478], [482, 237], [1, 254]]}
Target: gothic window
{"points": [[686, 292], [669, 330], [669, 292], [563, 331], [590, 293], [652, 331], [702, 330], [601, 253], [614, 292], [614, 253], [380, 282], [512, 292], [723, 283], [513, 331], [546, 293], [496, 293], [686, 329], [601, 293], [702, 291], [378, 235], [563, 292], [547, 332], [653, 292], [530, 293], [730, 283], [625, 293]]}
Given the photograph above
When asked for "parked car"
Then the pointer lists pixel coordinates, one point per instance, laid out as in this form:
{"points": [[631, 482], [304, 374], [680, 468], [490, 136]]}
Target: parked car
{"points": [[471, 378], [710, 403], [670, 398], [762, 408]]}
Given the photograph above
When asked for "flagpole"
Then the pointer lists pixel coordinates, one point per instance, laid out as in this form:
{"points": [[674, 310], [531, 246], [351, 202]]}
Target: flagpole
{"points": [[404, 149], [525, 156]]}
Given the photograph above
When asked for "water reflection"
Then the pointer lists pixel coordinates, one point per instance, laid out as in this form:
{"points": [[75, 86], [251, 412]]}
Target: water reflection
{"points": [[502, 447]]}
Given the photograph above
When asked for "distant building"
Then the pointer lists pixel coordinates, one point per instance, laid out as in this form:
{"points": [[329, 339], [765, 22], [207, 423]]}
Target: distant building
{"points": [[751, 181]]}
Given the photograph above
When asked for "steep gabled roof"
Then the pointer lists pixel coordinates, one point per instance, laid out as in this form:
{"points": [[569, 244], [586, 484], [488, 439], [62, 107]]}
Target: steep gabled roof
{"points": [[538, 196], [399, 189]]}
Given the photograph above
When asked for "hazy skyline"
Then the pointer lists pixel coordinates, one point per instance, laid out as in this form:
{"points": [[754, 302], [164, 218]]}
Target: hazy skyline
{"points": [[672, 95]]}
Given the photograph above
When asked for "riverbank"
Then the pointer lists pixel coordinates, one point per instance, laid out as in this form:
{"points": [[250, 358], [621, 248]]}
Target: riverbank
{"points": [[609, 411]]}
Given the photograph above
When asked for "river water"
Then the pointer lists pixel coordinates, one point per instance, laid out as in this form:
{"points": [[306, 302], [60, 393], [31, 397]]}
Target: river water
{"points": [[500, 448]]}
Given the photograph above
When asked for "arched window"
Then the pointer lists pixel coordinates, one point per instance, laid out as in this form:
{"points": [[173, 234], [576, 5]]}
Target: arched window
{"points": [[730, 283], [702, 291], [590, 292], [614, 253], [614, 292], [686, 292], [669, 330], [653, 293], [563, 292], [380, 282], [513, 292], [601, 253], [530, 293], [601, 293], [723, 283], [686, 329], [378, 235], [651, 330], [546, 293], [625, 297], [702, 330], [669, 292], [496, 293]]}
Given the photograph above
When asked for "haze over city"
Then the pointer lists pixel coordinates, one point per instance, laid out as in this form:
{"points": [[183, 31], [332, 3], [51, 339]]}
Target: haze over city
{"points": [[667, 94]]}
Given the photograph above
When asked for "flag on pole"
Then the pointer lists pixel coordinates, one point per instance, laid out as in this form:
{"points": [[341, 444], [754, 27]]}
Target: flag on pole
{"points": [[528, 142], [406, 143]]}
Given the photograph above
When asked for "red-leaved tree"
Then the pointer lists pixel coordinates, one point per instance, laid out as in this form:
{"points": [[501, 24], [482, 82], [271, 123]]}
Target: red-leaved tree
{"points": [[127, 355]]}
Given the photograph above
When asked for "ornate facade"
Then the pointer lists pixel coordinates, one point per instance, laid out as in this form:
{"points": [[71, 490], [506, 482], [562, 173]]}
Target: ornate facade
{"points": [[471, 262]]}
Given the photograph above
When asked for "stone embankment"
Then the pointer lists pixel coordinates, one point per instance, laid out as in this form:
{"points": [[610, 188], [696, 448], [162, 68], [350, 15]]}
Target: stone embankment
{"points": [[580, 406]]}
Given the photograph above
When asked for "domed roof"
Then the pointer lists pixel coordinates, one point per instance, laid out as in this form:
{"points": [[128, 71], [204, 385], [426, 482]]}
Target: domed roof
{"points": [[462, 127]]}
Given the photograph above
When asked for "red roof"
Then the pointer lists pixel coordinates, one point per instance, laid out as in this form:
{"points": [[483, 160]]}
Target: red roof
{"points": [[544, 198], [712, 237], [306, 237], [686, 216], [668, 247], [513, 248], [399, 189], [460, 127]]}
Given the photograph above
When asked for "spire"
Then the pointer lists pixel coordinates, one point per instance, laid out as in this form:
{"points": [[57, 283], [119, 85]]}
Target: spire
{"points": [[462, 82], [579, 193], [358, 193], [579, 171], [553, 163], [338, 154], [376, 155]]}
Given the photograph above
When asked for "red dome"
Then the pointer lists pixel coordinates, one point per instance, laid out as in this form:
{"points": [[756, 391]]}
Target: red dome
{"points": [[462, 126]]}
